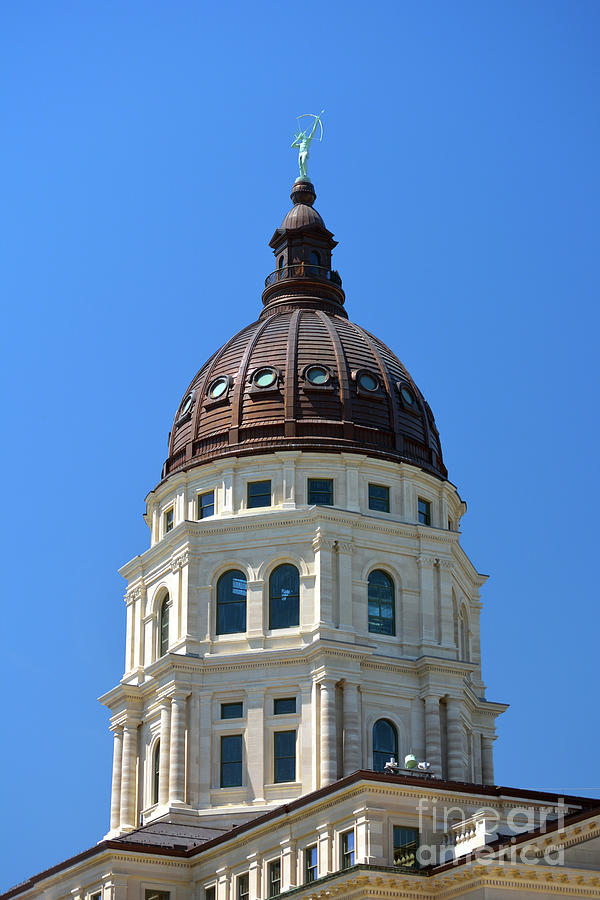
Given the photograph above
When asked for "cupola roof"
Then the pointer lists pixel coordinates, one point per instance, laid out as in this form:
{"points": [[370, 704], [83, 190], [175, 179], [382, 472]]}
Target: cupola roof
{"points": [[303, 377]]}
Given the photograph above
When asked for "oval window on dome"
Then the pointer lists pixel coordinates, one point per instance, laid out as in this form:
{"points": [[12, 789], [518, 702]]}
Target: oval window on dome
{"points": [[265, 378], [218, 388], [317, 375], [187, 404], [407, 396], [368, 382]]}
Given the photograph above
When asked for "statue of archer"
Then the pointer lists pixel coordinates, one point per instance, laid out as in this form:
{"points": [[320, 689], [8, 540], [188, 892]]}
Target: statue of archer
{"points": [[302, 141]]}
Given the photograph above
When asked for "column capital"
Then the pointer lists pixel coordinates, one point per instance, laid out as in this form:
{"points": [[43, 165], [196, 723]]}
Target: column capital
{"points": [[131, 723], [178, 562]]}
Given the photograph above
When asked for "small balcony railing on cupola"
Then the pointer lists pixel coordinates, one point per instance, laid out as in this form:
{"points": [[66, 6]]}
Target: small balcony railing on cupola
{"points": [[303, 270]]}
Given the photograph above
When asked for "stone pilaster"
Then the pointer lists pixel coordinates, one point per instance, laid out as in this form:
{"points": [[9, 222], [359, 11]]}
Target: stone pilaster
{"points": [[256, 743], [344, 558], [288, 869], [352, 728], [324, 854]]}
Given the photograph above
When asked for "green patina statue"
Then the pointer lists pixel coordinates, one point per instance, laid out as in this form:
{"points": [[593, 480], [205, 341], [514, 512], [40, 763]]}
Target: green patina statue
{"points": [[302, 141]]}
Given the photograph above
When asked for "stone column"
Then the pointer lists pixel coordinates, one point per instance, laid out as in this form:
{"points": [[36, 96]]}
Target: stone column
{"points": [[177, 760], [456, 766], [352, 728], [487, 759], [115, 798], [194, 751], [328, 766], [128, 776], [433, 737], [165, 747]]}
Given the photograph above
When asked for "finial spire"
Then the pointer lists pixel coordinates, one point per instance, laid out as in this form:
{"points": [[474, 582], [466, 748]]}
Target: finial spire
{"points": [[302, 141]]}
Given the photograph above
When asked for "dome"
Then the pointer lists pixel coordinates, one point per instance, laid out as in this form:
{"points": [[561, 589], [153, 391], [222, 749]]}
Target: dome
{"points": [[304, 377]]}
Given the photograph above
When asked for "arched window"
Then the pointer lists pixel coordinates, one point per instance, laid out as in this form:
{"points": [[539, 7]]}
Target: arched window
{"points": [[385, 743], [155, 772], [231, 602], [381, 603], [280, 262], [284, 597], [464, 636], [163, 626]]}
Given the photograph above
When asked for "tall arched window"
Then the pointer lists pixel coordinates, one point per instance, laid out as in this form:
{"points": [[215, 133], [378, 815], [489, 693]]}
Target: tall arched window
{"points": [[163, 626], [284, 597], [280, 262], [385, 743], [155, 772], [231, 602], [381, 603], [464, 635]]}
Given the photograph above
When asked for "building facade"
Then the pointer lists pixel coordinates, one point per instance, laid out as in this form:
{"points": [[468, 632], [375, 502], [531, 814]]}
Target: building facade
{"points": [[304, 619]]}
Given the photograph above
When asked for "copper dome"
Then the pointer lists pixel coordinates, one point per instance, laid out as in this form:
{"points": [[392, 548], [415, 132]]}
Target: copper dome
{"points": [[303, 377]]}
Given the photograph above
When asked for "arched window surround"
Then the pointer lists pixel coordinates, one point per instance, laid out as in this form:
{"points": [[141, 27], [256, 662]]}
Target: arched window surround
{"points": [[164, 624], [221, 617], [155, 772], [276, 614], [393, 582], [385, 743], [402, 732]]}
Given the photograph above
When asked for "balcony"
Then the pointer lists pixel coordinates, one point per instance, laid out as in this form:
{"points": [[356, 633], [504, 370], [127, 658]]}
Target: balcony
{"points": [[303, 270]]}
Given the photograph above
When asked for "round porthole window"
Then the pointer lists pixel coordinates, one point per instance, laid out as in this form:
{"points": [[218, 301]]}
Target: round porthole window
{"points": [[218, 388], [187, 404], [407, 396], [264, 378], [368, 382], [317, 375]]}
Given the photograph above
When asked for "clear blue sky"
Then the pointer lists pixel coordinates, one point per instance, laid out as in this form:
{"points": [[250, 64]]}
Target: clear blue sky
{"points": [[145, 163]]}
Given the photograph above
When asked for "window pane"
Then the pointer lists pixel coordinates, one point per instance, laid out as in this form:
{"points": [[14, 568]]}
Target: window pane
{"points": [[231, 760], [156, 773], [243, 887], [320, 491], [169, 520], [259, 494], [232, 710], [206, 505], [424, 512], [381, 603], [347, 849], [406, 842], [284, 705], [310, 864], [385, 744], [274, 885], [379, 497], [284, 597], [285, 756], [231, 602], [164, 626], [209, 893]]}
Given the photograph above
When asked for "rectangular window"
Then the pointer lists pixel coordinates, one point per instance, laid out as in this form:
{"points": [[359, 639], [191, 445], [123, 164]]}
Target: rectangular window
{"points": [[284, 705], [424, 512], [243, 887], [96, 896], [206, 505], [157, 895], [210, 893], [311, 862], [285, 756], [259, 494], [274, 878], [231, 760], [168, 520], [347, 849], [320, 491], [232, 710], [379, 497], [406, 842]]}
